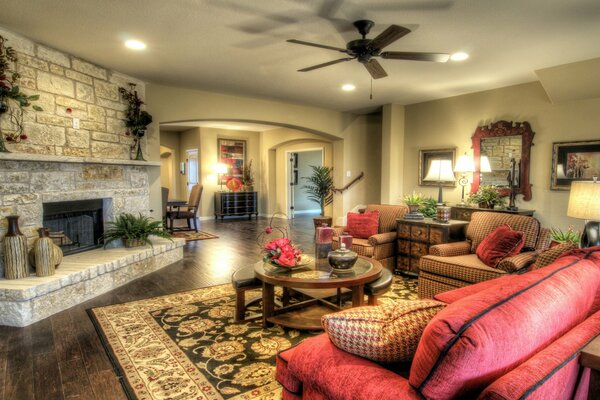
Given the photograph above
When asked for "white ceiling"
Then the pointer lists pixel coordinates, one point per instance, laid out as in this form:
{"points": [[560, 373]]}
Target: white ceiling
{"points": [[239, 47]]}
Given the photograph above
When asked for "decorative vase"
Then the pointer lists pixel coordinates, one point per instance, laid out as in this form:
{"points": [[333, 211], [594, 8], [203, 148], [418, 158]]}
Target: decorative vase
{"points": [[139, 155], [443, 214], [45, 255], [133, 242], [15, 250], [413, 208], [57, 254], [342, 258]]}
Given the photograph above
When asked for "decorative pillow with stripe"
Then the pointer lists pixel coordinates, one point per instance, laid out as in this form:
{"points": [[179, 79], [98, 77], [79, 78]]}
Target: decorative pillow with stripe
{"points": [[386, 333]]}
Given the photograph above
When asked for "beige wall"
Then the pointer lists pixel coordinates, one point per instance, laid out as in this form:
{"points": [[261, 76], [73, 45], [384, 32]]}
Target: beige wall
{"points": [[451, 122]]}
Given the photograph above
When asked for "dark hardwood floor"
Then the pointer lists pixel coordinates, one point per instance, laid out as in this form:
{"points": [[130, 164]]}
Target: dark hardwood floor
{"points": [[61, 357]]}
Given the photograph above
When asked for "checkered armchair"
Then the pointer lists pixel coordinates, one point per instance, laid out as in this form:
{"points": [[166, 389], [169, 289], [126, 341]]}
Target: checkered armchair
{"points": [[381, 246], [453, 265]]}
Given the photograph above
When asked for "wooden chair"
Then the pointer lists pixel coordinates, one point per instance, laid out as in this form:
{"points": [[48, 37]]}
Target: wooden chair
{"points": [[165, 199], [190, 213]]}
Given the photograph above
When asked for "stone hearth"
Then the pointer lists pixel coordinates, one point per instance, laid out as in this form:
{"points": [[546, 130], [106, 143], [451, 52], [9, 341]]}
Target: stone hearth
{"points": [[81, 277]]}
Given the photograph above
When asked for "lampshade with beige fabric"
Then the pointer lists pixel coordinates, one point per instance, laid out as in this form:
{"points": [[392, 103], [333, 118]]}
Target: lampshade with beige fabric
{"points": [[584, 203], [440, 171]]}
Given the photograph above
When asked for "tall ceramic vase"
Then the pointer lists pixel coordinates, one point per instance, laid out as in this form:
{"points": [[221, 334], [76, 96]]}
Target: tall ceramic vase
{"points": [[44, 253], [15, 250]]}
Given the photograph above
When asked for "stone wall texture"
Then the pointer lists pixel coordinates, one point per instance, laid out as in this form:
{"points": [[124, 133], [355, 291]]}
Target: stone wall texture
{"points": [[66, 82]]}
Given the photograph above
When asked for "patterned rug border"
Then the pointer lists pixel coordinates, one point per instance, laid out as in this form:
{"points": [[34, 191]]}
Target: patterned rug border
{"points": [[204, 235]]}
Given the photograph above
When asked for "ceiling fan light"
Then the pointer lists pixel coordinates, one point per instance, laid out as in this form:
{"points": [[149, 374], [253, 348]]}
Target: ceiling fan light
{"points": [[135, 44], [460, 56], [348, 87]]}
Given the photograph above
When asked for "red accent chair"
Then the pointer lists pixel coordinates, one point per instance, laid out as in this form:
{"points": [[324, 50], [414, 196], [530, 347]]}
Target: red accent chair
{"points": [[518, 336]]}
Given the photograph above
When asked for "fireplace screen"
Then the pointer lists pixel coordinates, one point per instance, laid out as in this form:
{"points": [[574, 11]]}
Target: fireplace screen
{"points": [[75, 226]]}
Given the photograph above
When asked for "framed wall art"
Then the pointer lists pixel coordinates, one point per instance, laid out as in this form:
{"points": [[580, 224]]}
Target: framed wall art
{"points": [[425, 158], [574, 161], [232, 152]]}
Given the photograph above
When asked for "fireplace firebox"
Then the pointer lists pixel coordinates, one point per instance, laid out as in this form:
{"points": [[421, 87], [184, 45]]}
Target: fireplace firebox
{"points": [[75, 226]]}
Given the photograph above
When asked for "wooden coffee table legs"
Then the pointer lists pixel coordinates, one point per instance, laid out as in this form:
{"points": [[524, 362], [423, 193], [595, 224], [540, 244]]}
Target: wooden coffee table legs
{"points": [[268, 300], [358, 295]]}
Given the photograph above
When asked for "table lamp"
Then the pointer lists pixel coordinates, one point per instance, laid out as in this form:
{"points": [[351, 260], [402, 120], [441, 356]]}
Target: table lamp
{"points": [[584, 203], [440, 171], [464, 166], [220, 169], [484, 164]]}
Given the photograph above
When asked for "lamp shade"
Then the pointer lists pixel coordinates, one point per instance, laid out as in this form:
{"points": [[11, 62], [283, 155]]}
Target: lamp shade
{"points": [[440, 171], [465, 163], [584, 201], [484, 164], [220, 168]]}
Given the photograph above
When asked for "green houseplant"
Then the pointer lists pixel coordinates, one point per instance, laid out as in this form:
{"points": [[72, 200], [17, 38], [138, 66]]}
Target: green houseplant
{"points": [[413, 201], [570, 235], [12, 100], [319, 189], [428, 207], [134, 230], [487, 196]]}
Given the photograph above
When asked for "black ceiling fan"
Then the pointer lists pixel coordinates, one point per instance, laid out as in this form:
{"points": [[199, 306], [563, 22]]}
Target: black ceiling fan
{"points": [[365, 49]]}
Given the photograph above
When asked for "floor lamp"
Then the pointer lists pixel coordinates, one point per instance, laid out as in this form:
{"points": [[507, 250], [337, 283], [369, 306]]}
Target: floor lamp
{"points": [[464, 166], [440, 171], [584, 203]]}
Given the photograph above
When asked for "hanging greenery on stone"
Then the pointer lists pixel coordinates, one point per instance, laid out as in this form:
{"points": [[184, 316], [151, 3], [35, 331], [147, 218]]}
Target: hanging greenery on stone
{"points": [[12, 100], [136, 120]]}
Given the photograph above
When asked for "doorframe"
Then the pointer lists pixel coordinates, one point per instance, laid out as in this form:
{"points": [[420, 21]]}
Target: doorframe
{"points": [[288, 177]]}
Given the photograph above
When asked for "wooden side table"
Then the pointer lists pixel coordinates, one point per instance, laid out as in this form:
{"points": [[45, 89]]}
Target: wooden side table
{"points": [[416, 236], [590, 357], [463, 213]]}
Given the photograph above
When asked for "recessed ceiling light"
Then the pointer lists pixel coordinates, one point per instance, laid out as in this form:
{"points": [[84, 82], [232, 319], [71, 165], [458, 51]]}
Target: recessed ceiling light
{"points": [[460, 56], [135, 44], [348, 87]]}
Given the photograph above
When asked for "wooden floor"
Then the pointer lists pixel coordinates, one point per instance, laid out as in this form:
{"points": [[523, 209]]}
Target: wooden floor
{"points": [[61, 357]]}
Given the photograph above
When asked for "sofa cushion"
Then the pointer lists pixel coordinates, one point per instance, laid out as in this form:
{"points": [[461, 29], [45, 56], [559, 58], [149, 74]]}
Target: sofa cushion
{"points": [[386, 333], [457, 294], [388, 213], [482, 223], [474, 341], [468, 268], [502, 242], [363, 225], [547, 257]]}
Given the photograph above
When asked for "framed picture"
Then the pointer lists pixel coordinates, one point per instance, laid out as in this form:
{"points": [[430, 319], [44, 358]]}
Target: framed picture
{"points": [[232, 152], [574, 161], [425, 158]]}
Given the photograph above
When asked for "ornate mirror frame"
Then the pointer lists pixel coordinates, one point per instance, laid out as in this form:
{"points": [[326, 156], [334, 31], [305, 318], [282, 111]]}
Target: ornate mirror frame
{"points": [[499, 129]]}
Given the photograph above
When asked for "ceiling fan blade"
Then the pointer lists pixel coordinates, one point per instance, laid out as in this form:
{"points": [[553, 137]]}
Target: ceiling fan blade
{"points": [[325, 64], [375, 69], [387, 37], [316, 45], [408, 55]]}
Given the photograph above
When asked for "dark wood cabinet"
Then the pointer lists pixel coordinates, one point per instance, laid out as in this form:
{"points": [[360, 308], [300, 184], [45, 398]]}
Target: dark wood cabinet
{"points": [[463, 213], [235, 204], [415, 238]]}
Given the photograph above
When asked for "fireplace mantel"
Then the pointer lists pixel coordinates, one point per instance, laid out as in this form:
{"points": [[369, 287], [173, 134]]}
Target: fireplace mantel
{"points": [[73, 160]]}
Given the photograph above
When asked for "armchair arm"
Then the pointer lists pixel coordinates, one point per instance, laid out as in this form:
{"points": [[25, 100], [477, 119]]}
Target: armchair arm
{"points": [[515, 263], [451, 249], [381, 238]]}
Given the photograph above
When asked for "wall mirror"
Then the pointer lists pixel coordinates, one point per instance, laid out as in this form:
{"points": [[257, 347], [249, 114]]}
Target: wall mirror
{"points": [[501, 141]]}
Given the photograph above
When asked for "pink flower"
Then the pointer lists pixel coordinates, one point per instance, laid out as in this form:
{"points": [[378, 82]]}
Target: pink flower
{"points": [[268, 230]]}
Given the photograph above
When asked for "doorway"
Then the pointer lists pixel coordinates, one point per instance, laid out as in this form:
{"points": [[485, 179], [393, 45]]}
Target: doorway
{"points": [[299, 167], [192, 169]]}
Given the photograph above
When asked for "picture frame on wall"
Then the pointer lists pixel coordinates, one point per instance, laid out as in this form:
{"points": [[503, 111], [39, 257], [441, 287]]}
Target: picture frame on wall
{"points": [[574, 161], [232, 152], [425, 158]]}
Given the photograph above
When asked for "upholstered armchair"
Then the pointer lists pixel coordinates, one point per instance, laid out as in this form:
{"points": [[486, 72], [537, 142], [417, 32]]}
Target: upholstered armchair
{"points": [[381, 246], [454, 265]]}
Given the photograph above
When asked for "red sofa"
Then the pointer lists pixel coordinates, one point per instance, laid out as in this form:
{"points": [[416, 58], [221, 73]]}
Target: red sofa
{"points": [[514, 337]]}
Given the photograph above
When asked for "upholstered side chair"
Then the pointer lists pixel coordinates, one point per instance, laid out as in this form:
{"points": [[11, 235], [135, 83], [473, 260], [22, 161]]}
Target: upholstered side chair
{"points": [[188, 212]]}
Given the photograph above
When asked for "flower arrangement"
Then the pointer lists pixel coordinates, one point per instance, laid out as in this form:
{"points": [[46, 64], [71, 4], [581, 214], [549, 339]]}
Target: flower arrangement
{"points": [[10, 91], [248, 175], [279, 251], [136, 120]]}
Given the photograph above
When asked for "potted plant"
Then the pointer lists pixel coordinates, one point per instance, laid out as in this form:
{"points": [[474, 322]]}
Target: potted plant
{"points": [[428, 207], [134, 231], [248, 177], [413, 201], [570, 235], [12, 100], [136, 120], [319, 188], [487, 196]]}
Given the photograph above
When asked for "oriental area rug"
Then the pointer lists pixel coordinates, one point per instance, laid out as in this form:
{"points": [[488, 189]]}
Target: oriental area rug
{"points": [[186, 346], [191, 236]]}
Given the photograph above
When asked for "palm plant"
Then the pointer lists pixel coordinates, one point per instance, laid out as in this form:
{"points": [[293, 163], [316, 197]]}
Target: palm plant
{"points": [[319, 186], [134, 230]]}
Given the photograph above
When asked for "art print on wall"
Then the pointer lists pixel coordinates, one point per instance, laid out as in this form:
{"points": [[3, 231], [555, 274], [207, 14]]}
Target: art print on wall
{"points": [[574, 161], [425, 158], [232, 152]]}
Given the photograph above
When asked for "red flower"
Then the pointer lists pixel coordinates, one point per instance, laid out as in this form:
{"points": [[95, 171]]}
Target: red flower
{"points": [[268, 230], [23, 136]]}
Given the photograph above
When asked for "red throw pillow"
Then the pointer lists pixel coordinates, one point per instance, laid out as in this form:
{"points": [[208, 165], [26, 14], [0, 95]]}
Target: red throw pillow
{"points": [[363, 226], [502, 242]]}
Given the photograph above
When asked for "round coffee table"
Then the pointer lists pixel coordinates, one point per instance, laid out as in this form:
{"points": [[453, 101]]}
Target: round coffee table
{"points": [[315, 275]]}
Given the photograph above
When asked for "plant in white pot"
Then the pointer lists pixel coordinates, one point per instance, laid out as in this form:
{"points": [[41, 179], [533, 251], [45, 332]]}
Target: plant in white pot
{"points": [[319, 188]]}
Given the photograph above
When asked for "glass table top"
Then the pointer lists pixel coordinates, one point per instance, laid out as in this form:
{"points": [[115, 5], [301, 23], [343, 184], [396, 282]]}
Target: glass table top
{"points": [[314, 270]]}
